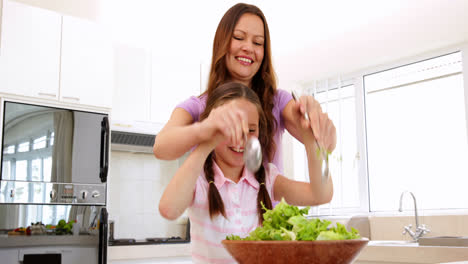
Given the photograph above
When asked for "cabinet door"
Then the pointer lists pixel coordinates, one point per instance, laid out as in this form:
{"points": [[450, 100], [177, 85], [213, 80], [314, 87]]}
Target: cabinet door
{"points": [[9, 255], [30, 51], [173, 81], [86, 75], [132, 79]]}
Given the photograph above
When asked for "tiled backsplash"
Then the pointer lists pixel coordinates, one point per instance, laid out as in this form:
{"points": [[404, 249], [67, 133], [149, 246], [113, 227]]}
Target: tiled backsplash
{"points": [[391, 227], [136, 182]]}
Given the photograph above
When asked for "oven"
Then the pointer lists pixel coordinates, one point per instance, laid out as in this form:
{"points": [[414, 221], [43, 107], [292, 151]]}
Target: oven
{"points": [[53, 183]]}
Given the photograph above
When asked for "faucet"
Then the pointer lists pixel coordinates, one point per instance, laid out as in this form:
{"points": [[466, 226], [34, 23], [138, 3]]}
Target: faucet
{"points": [[420, 229]]}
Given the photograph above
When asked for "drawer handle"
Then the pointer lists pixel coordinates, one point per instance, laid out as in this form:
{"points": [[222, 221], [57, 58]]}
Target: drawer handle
{"points": [[48, 94], [71, 98]]}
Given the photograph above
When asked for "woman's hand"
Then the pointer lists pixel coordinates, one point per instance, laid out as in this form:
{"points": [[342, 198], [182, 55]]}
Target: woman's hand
{"points": [[229, 120], [312, 117]]}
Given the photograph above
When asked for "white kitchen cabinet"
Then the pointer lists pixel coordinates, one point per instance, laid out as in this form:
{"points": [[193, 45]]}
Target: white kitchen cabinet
{"points": [[132, 78], [9, 255], [29, 51], [46, 55], [86, 63], [174, 79], [69, 254]]}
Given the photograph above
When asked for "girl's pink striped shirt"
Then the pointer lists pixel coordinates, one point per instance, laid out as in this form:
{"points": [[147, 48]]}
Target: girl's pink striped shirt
{"points": [[240, 203]]}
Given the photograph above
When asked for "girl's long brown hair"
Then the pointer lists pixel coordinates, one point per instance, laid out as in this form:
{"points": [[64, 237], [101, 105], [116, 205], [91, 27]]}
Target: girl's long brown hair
{"points": [[224, 93], [263, 82]]}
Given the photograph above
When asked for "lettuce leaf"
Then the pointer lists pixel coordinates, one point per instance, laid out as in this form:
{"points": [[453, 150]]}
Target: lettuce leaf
{"points": [[287, 222]]}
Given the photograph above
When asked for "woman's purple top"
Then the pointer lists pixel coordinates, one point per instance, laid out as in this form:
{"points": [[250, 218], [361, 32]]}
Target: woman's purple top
{"points": [[196, 105]]}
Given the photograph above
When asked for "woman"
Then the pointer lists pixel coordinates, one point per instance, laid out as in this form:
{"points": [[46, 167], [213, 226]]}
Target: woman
{"points": [[242, 53], [222, 197]]}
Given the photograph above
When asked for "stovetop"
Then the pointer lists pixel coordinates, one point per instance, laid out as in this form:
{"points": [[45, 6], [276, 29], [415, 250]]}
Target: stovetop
{"points": [[147, 241]]}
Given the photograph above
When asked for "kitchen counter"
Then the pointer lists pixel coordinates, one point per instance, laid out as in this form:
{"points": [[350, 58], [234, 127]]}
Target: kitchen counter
{"points": [[148, 251], [396, 252], [47, 240]]}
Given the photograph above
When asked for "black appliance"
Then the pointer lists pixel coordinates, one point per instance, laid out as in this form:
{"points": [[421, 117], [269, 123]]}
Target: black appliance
{"points": [[149, 240]]}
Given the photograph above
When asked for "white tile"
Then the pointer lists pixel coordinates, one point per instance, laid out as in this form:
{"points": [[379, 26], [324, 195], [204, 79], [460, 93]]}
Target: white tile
{"points": [[128, 196], [151, 168], [131, 167], [150, 199]]}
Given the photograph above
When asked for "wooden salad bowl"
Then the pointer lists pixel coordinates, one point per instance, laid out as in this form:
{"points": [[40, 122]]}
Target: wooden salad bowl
{"points": [[311, 252]]}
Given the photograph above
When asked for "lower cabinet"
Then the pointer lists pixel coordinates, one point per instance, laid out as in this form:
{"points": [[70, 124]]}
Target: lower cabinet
{"points": [[69, 254], [8, 256]]}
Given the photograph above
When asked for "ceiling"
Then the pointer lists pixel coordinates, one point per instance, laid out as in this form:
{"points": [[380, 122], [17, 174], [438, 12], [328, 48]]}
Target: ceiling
{"points": [[311, 39]]}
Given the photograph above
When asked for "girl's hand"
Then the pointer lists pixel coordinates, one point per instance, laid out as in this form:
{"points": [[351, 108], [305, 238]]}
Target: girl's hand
{"points": [[312, 117], [229, 120]]}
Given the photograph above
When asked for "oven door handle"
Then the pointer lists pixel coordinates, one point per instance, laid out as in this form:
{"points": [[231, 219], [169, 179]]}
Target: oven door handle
{"points": [[104, 160], [102, 251]]}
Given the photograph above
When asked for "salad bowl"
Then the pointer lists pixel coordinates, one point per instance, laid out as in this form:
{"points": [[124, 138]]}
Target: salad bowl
{"points": [[311, 252]]}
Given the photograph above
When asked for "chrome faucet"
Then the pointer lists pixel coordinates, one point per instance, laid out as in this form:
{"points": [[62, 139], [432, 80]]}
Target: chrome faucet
{"points": [[420, 229]]}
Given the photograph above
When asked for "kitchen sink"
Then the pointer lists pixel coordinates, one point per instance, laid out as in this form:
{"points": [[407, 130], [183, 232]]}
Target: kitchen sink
{"points": [[392, 243], [448, 241]]}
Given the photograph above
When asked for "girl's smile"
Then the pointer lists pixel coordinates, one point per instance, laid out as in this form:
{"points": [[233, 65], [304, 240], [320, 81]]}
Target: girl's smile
{"points": [[230, 158]]}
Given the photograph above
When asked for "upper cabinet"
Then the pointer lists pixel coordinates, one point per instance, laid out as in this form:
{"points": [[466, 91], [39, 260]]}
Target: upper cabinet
{"points": [[174, 79], [30, 51], [148, 87], [132, 78], [46, 55], [86, 63]]}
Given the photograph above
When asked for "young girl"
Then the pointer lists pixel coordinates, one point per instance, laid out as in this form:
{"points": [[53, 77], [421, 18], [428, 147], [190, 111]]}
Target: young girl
{"points": [[222, 196]]}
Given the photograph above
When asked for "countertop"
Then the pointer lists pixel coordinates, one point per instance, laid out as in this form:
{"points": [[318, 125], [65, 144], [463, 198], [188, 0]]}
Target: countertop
{"points": [[393, 252], [47, 240], [148, 251], [374, 252]]}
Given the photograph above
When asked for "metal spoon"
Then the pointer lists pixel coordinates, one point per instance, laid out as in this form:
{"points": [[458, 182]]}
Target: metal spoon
{"points": [[252, 154], [325, 168]]}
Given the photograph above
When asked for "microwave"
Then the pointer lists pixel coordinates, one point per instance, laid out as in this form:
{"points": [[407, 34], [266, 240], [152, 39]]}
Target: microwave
{"points": [[60, 154]]}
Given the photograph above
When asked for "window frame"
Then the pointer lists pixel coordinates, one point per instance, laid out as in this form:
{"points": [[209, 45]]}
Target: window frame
{"points": [[357, 79]]}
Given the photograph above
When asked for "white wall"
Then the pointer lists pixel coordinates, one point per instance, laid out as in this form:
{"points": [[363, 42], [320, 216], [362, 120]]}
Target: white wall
{"points": [[136, 183]]}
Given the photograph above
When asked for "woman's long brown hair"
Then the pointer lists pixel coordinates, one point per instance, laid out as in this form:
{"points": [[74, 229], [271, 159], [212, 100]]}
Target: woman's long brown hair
{"points": [[263, 82], [224, 93]]}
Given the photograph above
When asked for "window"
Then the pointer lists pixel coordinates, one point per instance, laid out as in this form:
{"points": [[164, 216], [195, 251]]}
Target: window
{"points": [[339, 102], [9, 150], [403, 128], [29, 163], [23, 147], [416, 134], [39, 143]]}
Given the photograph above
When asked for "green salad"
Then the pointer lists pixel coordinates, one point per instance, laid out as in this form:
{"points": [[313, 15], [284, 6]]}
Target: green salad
{"points": [[287, 222]]}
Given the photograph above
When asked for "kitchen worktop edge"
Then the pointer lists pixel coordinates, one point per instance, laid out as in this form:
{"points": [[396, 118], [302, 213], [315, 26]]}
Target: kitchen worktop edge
{"points": [[149, 251]]}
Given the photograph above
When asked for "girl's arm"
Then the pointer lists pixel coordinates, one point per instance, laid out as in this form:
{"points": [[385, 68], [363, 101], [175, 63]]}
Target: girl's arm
{"points": [[179, 193], [312, 193]]}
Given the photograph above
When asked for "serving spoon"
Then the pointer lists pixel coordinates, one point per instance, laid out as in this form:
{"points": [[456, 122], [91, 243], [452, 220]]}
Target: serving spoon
{"points": [[252, 153], [322, 151]]}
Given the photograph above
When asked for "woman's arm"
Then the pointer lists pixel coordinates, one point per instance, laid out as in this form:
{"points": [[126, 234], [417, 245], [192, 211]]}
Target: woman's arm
{"points": [[177, 137], [179, 192], [290, 116], [180, 134], [318, 122]]}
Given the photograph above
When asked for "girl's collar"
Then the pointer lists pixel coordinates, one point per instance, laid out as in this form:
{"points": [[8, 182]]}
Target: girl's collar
{"points": [[247, 176]]}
